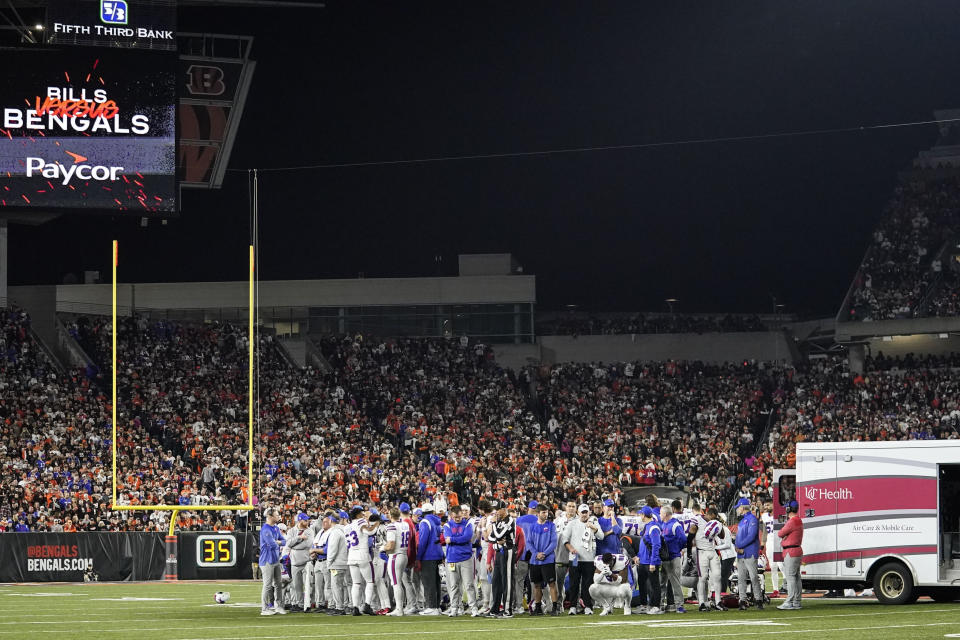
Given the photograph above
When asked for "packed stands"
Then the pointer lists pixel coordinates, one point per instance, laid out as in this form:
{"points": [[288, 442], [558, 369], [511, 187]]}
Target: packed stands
{"points": [[415, 419], [900, 276]]}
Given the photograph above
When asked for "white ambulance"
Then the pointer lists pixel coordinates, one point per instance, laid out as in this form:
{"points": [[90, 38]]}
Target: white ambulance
{"points": [[878, 514]]}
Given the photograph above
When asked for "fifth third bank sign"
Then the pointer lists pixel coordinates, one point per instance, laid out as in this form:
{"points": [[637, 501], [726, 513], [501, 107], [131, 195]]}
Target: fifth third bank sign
{"points": [[125, 24]]}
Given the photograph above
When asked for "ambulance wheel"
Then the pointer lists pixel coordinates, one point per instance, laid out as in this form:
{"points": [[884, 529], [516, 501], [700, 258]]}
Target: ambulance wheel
{"points": [[893, 584], [947, 594]]}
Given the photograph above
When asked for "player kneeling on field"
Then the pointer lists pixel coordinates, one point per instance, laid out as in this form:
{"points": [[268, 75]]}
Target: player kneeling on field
{"points": [[610, 582]]}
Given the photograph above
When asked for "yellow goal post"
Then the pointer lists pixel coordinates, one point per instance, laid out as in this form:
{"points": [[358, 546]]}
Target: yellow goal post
{"points": [[176, 509]]}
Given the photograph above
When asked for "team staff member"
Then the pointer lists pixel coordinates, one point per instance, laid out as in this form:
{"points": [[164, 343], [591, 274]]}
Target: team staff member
{"points": [[541, 542], [430, 555], [523, 561], [612, 527], [580, 538], [648, 574], [791, 541], [676, 540], [270, 542], [322, 595], [337, 555], [563, 556], [458, 532], [299, 541], [748, 549]]}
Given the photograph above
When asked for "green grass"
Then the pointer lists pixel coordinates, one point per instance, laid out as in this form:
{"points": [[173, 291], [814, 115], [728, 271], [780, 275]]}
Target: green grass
{"points": [[182, 611]]}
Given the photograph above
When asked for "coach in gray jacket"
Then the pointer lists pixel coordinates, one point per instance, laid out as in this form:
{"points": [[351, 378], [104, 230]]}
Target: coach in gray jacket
{"points": [[337, 563], [580, 538], [299, 541]]}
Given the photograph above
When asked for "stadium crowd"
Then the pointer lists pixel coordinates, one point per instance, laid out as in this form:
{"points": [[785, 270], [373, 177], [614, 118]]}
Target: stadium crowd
{"points": [[414, 420], [904, 256]]}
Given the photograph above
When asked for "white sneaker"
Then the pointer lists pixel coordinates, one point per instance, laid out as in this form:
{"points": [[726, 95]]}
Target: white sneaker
{"points": [[641, 609], [280, 611], [473, 612], [430, 612], [627, 611], [268, 612], [605, 611], [396, 612], [588, 611], [654, 611], [452, 613], [410, 611], [572, 612], [784, 607]]}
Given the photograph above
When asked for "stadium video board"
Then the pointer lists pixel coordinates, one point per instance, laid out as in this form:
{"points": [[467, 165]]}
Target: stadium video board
{"points": [[88, 130]]}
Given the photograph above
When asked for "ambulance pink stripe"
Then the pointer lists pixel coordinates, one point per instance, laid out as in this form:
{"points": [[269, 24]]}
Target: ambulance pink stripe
{"points": [[848, 495]]}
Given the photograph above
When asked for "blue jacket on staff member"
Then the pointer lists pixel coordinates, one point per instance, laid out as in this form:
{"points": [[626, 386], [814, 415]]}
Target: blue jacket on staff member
{"points": [[612, 528], [747, 541], [542, 538], [652, 539]]}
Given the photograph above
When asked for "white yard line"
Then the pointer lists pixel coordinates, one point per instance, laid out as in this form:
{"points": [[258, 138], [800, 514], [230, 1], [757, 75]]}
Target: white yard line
{"points": [[625, 621], [414, 619], [555, 628]]}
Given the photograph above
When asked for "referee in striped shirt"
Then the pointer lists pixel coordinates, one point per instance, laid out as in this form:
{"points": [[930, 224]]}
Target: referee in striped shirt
{"points": [[503, 544]]}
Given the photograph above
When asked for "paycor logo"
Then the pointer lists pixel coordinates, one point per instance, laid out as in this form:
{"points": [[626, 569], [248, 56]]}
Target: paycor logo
{"points": [[814, 493], [56, 171]]}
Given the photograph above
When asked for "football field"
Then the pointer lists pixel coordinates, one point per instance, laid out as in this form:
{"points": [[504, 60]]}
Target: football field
{"points": [[186, 611]]}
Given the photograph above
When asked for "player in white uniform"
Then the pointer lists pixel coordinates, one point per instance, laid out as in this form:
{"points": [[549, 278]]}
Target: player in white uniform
{"points": [[610, 582], [709, 529], [380, 580], [358, 534], [477, 535], [481, 528], [396, 545], [776, 568]]}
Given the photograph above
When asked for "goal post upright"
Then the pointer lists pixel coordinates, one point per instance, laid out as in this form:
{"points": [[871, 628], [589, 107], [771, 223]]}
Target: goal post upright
{"points": [[247, 505], [250, 387], [113, 368]]}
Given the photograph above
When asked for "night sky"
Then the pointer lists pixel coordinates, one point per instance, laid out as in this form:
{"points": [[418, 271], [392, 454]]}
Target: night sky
{"points": [[720, 226]]}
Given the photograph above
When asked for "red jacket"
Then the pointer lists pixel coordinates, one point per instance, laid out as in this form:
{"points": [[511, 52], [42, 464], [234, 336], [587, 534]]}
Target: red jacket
{"points": [[792, 537]]}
